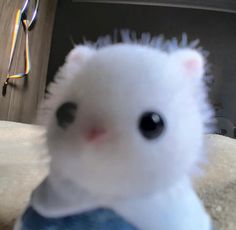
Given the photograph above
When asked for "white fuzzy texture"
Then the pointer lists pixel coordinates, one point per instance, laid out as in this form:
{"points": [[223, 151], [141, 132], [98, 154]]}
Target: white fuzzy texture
{"points": [[143, 180]]}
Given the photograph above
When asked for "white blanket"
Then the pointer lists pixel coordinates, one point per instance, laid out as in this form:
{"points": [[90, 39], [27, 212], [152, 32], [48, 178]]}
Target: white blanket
{"points": [[24, 160]]}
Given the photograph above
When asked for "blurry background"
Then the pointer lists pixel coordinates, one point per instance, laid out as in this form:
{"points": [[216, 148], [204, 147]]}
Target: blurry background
{"points": [[77, 20], [211, 21], [22, 98]]}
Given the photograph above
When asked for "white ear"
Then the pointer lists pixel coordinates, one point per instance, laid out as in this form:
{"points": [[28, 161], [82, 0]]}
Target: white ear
{"points": [[78, 57], [73, 64], [80, 54], [189, 63]]}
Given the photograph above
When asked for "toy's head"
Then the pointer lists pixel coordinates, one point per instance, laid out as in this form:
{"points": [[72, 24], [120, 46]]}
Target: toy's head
{"points": [[130, 121]]}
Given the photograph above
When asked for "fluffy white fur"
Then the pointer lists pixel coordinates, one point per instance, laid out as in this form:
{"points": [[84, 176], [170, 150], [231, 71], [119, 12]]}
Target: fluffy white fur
{"points": [[146, 181]]}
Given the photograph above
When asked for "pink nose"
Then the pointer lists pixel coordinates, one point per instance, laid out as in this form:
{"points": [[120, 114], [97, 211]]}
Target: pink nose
{"points": [[96, 134]]}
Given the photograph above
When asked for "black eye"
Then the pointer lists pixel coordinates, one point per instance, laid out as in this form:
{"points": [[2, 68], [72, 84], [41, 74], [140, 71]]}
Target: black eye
{"points": [[66, 114], [151, 125]]}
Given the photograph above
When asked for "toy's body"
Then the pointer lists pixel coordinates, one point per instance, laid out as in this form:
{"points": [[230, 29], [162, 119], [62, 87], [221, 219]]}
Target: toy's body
{"points": [[177, 209], [124, 135]]}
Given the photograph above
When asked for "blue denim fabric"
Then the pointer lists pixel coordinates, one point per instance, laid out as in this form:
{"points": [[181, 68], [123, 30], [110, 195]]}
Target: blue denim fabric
{"points": [[99, 219]]}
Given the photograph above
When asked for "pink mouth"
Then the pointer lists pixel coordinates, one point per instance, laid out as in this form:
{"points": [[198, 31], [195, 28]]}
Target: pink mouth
{"points": [[96, 134]]}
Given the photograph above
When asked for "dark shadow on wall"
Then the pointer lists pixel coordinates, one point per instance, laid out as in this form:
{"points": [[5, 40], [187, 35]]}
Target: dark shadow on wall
{"points": [[216, 31]]}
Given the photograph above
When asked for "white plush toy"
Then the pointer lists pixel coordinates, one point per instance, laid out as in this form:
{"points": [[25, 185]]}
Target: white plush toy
{"points": [[125, 128]]}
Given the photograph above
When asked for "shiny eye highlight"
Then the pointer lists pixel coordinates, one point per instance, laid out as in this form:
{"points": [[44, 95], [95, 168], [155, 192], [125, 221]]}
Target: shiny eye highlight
{"points": [[65, 114], [151, 125]]}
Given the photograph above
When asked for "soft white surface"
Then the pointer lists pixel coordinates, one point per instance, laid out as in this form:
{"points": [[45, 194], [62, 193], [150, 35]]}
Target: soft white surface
{"points": [[21, 169], [23, 164]]}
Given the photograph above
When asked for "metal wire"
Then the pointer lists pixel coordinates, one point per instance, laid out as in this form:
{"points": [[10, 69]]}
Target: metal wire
{"points": [[21, 17], [34, 15]]}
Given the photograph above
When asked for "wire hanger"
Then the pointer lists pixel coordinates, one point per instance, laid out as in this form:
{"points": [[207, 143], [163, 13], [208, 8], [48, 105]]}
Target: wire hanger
{"points": [[21, 17]]}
